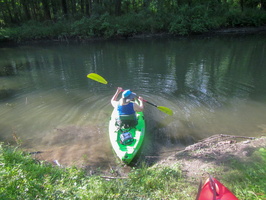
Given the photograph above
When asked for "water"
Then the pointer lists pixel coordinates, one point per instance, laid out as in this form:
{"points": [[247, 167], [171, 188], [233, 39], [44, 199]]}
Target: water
{"points": [[213, 85]]}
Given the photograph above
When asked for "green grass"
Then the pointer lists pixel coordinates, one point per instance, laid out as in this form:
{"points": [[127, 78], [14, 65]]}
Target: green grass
{"points": [[25, 178], [248, 179]]}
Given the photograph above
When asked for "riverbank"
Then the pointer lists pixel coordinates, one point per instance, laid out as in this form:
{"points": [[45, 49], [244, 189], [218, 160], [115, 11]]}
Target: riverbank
{"points": [[125, 20], [238, 162], [240, 31], [133, 26], [212, 154]]}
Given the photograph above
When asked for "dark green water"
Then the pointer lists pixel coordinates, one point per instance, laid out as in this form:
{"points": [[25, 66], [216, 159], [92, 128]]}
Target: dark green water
{"points": [[213, 85]]}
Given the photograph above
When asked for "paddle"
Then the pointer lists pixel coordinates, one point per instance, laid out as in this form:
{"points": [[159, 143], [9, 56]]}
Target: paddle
{"points": [[100, 79]]}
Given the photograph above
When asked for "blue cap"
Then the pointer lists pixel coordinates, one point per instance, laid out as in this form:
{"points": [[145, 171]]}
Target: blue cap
{"points": [[127, 94]]}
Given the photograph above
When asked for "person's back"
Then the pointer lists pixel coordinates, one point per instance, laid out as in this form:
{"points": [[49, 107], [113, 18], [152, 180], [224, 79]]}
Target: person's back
{"points": [[126, 107]]}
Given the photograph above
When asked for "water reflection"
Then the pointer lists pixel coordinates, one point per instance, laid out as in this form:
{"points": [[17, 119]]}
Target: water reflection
{"points": [[213, 86]]}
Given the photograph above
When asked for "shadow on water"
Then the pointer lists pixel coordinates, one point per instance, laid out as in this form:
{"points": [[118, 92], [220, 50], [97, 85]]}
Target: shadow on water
{"points": [[74, 145], [6, 94]]}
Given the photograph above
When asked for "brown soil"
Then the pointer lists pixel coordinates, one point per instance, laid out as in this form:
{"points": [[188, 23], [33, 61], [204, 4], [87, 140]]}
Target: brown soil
{"points": [[202, 158]]}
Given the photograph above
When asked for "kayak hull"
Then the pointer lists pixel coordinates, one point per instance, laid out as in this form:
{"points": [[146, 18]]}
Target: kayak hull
{"points": [[126, 153], [220, 192]]}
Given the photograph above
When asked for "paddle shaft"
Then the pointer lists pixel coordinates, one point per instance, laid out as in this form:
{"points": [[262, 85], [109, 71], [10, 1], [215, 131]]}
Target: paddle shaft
{"points": [[150, 103], [146, 101], [100, 79]]}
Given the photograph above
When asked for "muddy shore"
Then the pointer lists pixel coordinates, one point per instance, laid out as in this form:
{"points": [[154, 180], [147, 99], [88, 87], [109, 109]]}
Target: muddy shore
{"points": [[213, 152]]}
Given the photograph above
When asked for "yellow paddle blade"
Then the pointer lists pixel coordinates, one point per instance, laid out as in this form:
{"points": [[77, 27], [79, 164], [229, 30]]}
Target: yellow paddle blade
{"points": [[97, 77], [166, 110]]}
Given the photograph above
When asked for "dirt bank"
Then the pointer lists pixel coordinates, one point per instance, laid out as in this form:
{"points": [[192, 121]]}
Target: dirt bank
{"points": [[214, 152]]}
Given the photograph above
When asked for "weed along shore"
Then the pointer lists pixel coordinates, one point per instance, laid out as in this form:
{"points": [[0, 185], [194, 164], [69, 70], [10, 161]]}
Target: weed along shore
{"points": [[238, 162]]}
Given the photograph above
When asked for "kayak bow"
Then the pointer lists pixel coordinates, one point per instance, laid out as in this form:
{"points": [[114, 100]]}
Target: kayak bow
{"points": [[214, 190]]}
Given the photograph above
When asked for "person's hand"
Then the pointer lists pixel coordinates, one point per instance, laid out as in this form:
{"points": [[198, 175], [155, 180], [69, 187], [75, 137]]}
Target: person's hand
{"points": [[119, 89], [140, 98]]}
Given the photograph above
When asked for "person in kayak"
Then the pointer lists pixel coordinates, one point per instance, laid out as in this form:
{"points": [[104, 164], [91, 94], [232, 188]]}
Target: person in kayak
{"points": [[126, 106]]}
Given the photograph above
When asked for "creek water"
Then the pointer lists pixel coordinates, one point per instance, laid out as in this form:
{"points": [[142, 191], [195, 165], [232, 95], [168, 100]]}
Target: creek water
{"points": [[214, 85]]}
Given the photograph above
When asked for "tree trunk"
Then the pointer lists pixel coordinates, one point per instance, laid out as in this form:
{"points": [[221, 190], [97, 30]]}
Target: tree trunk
{"points": [[73, 7], [26, 9], [242, 5], [15, 11], [54, 6], [34, 8], [64, 7], [88, 7], [82, 6], [263, 4], [117, 7], [11, 19], [46, 10]]}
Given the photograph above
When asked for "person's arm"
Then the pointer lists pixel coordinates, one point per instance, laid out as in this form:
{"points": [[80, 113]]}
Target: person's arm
{"points": [[140, 107], [114, 98]]}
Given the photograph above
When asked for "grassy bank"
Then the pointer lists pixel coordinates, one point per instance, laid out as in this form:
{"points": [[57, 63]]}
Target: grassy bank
{"points": [[25, 178], [186, 21]]}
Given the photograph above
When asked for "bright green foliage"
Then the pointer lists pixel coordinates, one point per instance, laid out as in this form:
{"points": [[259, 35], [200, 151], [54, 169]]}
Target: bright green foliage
{"points": [[248, 178], [22, 177], [25, 178]]}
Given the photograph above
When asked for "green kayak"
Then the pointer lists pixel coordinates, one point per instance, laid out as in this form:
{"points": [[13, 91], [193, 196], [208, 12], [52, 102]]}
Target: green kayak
{"points": [[126, 141]]}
